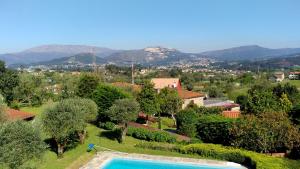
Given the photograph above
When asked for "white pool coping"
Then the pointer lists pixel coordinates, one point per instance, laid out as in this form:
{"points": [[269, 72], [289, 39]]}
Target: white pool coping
{"points": [[102, 158]]}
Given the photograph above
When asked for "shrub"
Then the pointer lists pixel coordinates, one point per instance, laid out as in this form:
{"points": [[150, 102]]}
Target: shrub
{"points": [[144, 134], [107, 125], [247, 158], [186, 122], [214, 129]]}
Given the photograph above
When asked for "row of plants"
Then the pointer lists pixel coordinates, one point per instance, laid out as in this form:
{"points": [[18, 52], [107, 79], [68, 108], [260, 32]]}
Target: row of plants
{"points": [[252, 160], [144, 134]]}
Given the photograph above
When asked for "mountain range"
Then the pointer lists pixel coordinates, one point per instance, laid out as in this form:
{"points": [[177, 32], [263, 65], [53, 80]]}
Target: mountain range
{"points": [[60, 54]]}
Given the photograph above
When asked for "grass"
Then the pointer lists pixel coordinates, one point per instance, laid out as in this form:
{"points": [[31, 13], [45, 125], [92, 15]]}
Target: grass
{"points": [[237, 92]]}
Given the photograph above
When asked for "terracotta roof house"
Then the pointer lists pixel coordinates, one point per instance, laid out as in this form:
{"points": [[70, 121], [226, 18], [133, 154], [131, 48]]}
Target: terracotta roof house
{"points": [[230, 109], [174, 83], [160, 83], [13, 115], [294, 75]]}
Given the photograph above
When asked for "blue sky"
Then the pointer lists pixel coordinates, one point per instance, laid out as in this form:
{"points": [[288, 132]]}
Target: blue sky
{"points": [[188, 25]]}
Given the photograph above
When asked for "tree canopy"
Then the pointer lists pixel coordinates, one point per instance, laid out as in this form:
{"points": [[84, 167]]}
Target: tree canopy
{"points": [[19, 142], [147, 99]]}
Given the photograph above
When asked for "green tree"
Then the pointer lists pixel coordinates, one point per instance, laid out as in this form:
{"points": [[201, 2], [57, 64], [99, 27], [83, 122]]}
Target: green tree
{"points": [[295, 115], [261, 100], [104, 96], [170, 102], [285, 103], [8, 80], [3, 115], [69, 86], [19, 143], [122, 112], [61, 121], [187, 122], [148, 100], [87, 109], [268, 133], [87, 84], [28, 92]]}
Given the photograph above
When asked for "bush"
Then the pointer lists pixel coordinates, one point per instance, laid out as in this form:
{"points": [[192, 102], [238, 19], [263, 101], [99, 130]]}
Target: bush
{"points": [[144, 134], [186, 122], [214, 129], [107, 125], [249, 159]]}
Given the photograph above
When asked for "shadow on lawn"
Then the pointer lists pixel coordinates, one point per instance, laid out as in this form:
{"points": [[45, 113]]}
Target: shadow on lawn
{"points": [[108, 134], [52, 146]]}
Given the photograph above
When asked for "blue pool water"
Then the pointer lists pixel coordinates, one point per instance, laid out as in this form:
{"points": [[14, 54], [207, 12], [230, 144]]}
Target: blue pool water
{"points": [[139, 164]]}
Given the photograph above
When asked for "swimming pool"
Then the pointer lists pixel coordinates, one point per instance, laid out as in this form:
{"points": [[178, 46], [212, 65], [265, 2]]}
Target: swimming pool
{"points": [[123, 163]]}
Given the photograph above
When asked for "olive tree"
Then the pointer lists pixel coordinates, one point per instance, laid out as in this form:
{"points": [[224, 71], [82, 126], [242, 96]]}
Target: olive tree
{"points": [[19, 142], [61, 120], [122, 112]]}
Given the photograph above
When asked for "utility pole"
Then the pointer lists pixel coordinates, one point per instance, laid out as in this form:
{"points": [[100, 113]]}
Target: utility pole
{"points": [[132, 71]]}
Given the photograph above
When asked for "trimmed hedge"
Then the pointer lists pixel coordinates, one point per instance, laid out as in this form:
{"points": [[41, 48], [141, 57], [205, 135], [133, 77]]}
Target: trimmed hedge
{"points": [[250, 159], [144, 134]]}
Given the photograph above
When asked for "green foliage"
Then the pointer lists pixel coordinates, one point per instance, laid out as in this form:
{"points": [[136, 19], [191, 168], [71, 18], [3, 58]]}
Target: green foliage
{"points": [[69, 86], [62, 120], [291, 91], [107, 125], [144, 134], [29, 92], [268, 133], [123, 111], [169, 101], [249, 159], [214, 91], [214, 129], [8, 80], [3, 115], [186, 122], [261, 100], [285, 104], [242, 100], [88, 107], [148, 100], [87, 84], [246, 79], [295, 115], [104, 96], [19, 142]]}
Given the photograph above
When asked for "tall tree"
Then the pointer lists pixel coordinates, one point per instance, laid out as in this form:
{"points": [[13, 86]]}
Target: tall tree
{"points": [[8, 80], [19, 143], [122, 112], [87, 84], [170, 102], [104, 96], [61, 120], [148, 100]]}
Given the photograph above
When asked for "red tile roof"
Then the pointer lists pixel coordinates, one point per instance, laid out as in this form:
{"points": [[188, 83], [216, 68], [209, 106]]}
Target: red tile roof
{"points": [[185, 94], [18, 115]]}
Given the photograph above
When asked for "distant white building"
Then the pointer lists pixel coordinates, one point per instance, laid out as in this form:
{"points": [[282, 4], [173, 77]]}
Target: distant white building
{"points": [[294, 75], [279, 76]]}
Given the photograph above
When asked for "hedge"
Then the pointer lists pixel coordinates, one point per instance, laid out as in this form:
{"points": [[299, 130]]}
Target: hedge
{"points": [[144, 134], [252, 160], [214, 129]]}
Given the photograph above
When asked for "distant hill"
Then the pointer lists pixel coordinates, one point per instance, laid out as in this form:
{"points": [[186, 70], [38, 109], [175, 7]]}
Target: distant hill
{"points": [[82, 58], [285, 61], [252, 52], [147, 56], [49, 52], [150, 56]]}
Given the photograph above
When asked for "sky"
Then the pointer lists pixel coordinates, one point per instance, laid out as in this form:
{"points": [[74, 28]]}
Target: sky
{"points": [[187, 25]]}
